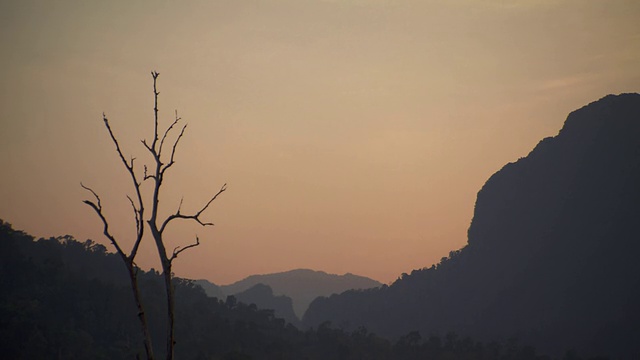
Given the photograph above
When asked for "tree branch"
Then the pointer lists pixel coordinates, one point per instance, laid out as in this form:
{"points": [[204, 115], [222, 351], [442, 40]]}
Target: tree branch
{"points": [[173, 151], [140, 209], [146, 175], [151, 150], [155, 75], [136, 214], [167, 132], [178, 250], [99, 206], [98, 209], [115, 141], [196, 216], [180, 206]]}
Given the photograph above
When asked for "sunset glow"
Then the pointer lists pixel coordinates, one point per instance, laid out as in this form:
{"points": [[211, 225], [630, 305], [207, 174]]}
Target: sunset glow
{"points": [[353, 135]]}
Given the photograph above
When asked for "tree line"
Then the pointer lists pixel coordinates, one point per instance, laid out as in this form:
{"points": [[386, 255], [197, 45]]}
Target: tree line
{"points": [[66, 299]]}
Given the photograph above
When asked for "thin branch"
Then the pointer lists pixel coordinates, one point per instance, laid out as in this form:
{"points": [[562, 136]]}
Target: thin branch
{"points": [[113, 138], [222, 189], [144, 142], [167, 132], [155, 75], [146, 175], [151, 150], [135, 210], [180, 206], [196, 216], [136, 214], [136, 185], [178, 250], [98, 209], [94, 194], [173, 151], [156, 157]]}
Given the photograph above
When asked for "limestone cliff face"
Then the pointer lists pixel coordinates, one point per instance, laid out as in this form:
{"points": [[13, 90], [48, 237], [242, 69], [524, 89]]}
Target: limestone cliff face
{"points": [[555, 236], [553, 249], [589, 165]]}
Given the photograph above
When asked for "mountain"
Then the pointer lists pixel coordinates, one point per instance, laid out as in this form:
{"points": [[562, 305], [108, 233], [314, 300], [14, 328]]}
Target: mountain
{"points": [[552, 252], [66, 299], [303, 285], [262, 296], [211, 289]]}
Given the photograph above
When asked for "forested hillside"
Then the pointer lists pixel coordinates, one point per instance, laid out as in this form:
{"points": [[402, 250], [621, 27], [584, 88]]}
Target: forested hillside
{"points": [[65, 299]]}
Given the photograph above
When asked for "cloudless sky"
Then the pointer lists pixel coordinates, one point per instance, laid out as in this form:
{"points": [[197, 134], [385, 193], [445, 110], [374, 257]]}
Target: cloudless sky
{"points": [[353, 134]]}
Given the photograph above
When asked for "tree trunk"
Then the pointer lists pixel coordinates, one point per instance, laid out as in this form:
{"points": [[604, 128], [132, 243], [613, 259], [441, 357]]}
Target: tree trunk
{"points": [[170, 308], [133, 277], [168, 284]]}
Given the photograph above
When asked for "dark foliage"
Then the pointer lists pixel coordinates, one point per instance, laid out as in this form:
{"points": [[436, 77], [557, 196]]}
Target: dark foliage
{"points": [[64, 299]]}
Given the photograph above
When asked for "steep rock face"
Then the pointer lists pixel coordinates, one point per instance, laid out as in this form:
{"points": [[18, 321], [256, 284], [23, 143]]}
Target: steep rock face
{"points": [[555, 236], [591, 163], [551, 255]]}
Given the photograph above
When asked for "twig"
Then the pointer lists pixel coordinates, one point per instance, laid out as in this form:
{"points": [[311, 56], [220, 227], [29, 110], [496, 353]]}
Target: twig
{"points": [[173, 151], [98, 209], [196, 216], [178, 250], [167, 132]]}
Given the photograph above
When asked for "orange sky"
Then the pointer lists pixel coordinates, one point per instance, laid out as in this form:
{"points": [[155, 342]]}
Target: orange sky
{"points": [[353, 134]]}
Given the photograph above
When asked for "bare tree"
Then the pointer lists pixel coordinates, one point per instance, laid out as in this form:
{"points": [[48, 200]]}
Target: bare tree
{"points": [[156, 226], [128, 259]]}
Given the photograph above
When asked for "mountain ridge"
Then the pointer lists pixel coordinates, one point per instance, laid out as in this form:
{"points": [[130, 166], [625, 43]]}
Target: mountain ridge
{"points": [[263, 297], [553, 236], [301, 285]]}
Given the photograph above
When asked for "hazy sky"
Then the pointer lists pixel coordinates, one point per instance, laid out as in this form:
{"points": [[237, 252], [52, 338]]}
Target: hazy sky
{"points": [[353, 135]]}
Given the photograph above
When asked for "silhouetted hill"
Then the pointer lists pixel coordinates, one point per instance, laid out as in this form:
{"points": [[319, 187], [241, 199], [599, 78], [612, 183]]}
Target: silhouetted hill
{"points": [[211, 289], [303, 285], [262, 296], [64, 299], [552, 254]]}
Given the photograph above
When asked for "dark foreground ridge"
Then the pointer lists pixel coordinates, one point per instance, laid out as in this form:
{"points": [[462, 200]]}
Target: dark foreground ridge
{"points": [[64, 299], [552, 254]]}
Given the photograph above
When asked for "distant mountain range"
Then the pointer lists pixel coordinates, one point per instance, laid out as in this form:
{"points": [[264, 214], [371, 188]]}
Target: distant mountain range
{"points": [[302, 286], [211, 289], [552, 254], [262, 296]]}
